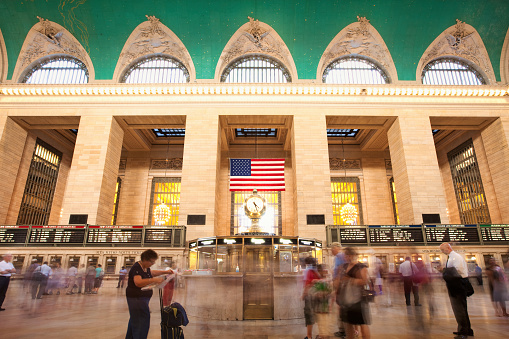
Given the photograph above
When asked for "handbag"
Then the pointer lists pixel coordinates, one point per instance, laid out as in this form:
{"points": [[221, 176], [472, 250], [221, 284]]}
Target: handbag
{"points": [[37, 275], [350, 294], [368, 293]]}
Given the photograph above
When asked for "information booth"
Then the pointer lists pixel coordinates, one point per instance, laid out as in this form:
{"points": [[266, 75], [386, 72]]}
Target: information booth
{"points": [[254, 277]]}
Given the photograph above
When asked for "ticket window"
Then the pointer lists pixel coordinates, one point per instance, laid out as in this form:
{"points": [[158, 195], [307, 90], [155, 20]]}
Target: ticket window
{"points": [[55, 259], [17, 262], [207, 257], [36, 259], [436, 262], [487, 257], [398, 260], [73, 261], [166, 262], [92, 260], [286, 258], [505, 261], [416, 258], [471, 260], [229, 257], [129, 262], [382, 259], [363, 259], [111, 265]]}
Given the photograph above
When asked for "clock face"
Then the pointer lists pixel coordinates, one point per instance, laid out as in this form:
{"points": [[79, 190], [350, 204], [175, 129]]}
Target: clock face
{"points": [[254, 204]]}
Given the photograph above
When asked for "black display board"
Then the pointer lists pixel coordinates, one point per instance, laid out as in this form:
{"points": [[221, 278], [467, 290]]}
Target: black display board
{"points": [[57, 235], [109, 235], [395, 234], [451, 233], [495, 234], [13, 234], [158, 236], [353, 235]]}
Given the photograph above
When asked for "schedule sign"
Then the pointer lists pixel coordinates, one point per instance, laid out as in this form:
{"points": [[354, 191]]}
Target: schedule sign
{"points": [[353, 235], [158, 236], [64, 234], [13, 234], [451, 233], [382, 235], [495, 234], [112, 235]]}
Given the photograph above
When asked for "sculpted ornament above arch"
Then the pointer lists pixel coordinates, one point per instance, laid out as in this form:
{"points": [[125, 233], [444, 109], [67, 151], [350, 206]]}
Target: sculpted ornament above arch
{"points": [[463, 41], [256, 37], [47, 38], [504, 60], [3, 59], [358, 38], [151, 37]]}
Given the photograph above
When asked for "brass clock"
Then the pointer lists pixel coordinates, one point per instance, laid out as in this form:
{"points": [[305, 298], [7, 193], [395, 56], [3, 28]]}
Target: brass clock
{"points": [[255, 205]]}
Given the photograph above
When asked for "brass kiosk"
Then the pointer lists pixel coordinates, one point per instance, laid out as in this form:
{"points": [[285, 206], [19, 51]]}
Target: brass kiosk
{"points": [[255, 276]]}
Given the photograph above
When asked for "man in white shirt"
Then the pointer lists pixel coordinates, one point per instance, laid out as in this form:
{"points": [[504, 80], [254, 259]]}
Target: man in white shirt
{"points": [[457, 293], [6, 270], [71, 278], [39, 286], [407, 270]]}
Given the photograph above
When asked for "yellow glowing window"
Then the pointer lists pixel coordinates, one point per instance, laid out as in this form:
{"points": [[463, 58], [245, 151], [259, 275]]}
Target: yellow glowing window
{"points": [[165, 191], [270, 222], [346, 201]]}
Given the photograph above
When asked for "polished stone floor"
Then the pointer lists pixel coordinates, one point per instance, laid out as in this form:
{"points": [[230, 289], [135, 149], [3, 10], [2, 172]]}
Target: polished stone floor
{"points": [[105, 315]]}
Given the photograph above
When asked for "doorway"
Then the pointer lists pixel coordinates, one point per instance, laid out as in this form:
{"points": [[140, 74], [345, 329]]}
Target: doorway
{"points": [[258, 283]]}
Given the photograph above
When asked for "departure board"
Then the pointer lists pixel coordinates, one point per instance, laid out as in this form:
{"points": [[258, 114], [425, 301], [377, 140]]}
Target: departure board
{"points": [[13, 234], [353, 235], [158, 236], [114, 235], [65, 234], [395, 234], [495, 234], [451, 233]]}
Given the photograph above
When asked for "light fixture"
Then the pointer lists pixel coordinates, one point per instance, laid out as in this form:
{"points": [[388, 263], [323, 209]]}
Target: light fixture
{"points": [[162, 212], [348, 211]]}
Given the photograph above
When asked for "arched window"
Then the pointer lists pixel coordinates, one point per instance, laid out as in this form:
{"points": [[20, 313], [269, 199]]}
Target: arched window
{"points": [[354, 70], [158, 69], [256, 69], [450, 71], [59, 70]]}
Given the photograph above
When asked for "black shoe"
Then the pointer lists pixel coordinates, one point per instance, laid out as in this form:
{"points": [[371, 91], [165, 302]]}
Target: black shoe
{"points": [[469, 333], [2, 309]]}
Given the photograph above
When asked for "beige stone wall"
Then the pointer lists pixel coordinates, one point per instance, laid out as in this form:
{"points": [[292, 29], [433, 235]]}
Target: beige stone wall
{"points": [[377, 202], [94, 170], [415, 169], [310, 162], [12, 144]]}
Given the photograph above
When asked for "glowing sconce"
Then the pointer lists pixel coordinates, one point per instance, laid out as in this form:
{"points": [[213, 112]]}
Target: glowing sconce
{"points": [[349, 213], [162, 214]]}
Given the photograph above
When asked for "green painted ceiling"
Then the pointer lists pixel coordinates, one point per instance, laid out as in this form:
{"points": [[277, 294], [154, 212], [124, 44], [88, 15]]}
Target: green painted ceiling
{"points": [[306, 26]]}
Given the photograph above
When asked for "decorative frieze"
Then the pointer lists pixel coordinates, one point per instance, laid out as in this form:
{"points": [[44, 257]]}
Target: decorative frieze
{"points": [[170, 164], [388, 164], [122, 164], [337, 164]]}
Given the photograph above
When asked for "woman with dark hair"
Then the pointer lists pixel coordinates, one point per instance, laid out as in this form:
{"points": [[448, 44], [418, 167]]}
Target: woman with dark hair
{"points": [[140, 276]]}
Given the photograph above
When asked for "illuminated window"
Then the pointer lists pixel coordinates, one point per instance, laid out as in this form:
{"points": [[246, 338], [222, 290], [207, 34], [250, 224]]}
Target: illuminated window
{"points": [[346, 191], [256, 69], [165, 191], [343, 133], [156, 70], [449, 71], [354, 70], [468, 185], [60, 70], [169, 132], [115, 202], [270, 222], [40, 186], [394, 201], [256, 132]]}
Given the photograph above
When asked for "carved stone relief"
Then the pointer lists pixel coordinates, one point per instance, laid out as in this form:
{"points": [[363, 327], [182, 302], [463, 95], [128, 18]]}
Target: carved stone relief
{"points": [[388, 164], [170, 164], [256, 37], [358, 38], [460, 40], [122, 164], [152, 37], [337, 164], [47, 38]]}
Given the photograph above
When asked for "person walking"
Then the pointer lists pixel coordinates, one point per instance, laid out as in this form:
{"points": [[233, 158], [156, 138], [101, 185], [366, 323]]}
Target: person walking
{"points": [[408, 270], [99, 274], [40, 280], [89, 278], [138, 300], [339, 261], [310, 277], [121, 277], [455, 273], [498, 287], [6, 270], [80, 277], [71, 278]]}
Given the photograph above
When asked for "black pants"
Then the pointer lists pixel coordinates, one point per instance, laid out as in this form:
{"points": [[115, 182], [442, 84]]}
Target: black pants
{"points": [[39, 287], [459, 307], [409, 286], [121, 280], [4, 284]]}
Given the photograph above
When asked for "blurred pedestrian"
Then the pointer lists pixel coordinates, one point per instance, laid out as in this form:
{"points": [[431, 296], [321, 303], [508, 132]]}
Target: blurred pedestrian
{"points": [[321, 292], [80, 277], [408, 270], [310, 276], [339, 261], [89, 278], [478, 274], [455, 275], [99, 275], [498, 287], [56, 280], [27, 278], [6, 270], [378, 273], [40, 280], [121, 277], [71, 278]]}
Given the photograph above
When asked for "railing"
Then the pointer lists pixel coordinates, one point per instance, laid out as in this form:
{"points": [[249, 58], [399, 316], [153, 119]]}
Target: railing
{"points": [[92, 235], [417, 235]]}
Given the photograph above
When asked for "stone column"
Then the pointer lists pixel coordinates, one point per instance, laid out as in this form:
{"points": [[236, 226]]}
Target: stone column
{"points": [[415, 169], [496, 145], [310, 162], [94, 170], [12, 142], [378, 201], [200, 166]]}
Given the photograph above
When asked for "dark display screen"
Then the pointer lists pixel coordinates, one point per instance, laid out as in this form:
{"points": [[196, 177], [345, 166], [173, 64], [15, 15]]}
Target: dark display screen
{"points": [[156, 236], [379, 235], [13, 234], [60, 235], [100, 235], [353, 235], [451, 233], [495, 233]]}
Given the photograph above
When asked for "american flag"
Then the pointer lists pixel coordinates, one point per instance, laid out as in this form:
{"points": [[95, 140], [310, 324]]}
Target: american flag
{"points": [[262, 174]]}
